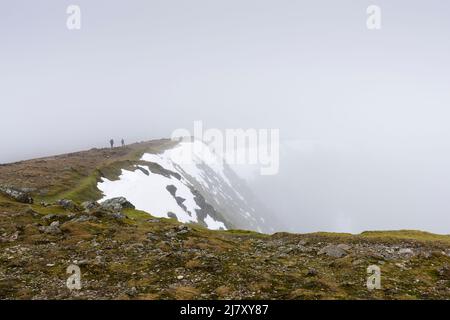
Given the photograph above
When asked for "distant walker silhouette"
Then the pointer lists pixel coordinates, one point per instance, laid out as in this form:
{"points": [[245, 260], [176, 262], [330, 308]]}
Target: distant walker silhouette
{"points": [[111, 142], [123, 143]]}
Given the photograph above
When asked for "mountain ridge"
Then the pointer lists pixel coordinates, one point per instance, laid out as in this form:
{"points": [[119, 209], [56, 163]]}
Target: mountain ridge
{"points": [[130, 254], [79, 176]]}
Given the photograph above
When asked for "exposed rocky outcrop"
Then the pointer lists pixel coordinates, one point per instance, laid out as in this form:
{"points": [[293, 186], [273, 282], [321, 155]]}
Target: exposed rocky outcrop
{"points": [[53, 228], [66, 204], [90, 205], [148, 258], [16, 194], [335, 251], [116, 204]]}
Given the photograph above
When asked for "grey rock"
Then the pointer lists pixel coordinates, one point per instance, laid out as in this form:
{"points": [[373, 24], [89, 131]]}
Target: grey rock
{"points": [[118, 215], [84, 218], [90, 205], [132, 292], [312, 272], [170, 234], [302, 248], [54, 224], [49, 217], [344, 246], [183, 227], [16, 194], [406, 251], [116, 204], [152, 236], [333, 251], [14, 236], [66, 204], [53, 228], [303, 242], [444, 272], [28, 190], [172, 215]]}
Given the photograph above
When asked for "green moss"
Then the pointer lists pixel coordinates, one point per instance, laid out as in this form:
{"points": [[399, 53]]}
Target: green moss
{"points": [[48, 210], [244, 233], [85, 188], [84, 191], [406, 235], [137, 214]]}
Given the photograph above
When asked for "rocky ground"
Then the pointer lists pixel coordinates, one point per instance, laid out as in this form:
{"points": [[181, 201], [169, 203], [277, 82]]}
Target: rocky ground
{"points": [[127, 254], [49, 222]]}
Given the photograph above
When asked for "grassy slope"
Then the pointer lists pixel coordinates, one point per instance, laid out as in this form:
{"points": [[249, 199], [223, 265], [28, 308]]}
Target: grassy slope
{"points": [[74, 176], [141, 259]]}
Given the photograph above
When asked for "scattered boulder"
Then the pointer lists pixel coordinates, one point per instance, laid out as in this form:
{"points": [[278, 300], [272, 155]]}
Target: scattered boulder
{"points": [[170, 234], [344, 246], [132, 292], [53, 228], [16, 194], [14, 236], [90, 205], [117, 215], [84, 218], [116, 204], [312, 272], [444, 272], [182, 229], [406, 252], [302, 248], [333, 251], [28, 190], [5, 238], [172, 215], [303, 242], [152, 236], [66, 204], [49, 217], [402, 266]]}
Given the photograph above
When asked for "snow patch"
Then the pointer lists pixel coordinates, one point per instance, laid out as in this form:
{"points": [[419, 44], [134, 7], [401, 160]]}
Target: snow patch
{"points": [[213, 224], [149, 193]]}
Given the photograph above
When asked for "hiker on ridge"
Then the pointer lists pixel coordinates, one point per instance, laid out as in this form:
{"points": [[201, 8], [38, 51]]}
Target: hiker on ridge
{"points": [[123, 143], [111, 142]]}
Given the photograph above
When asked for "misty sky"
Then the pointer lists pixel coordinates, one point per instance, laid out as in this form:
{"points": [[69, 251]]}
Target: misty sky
{"points": [[363, 114]]}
